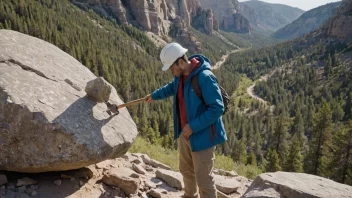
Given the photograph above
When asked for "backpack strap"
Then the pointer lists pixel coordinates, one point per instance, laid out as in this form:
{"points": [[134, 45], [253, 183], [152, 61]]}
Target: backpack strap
{"points": [[225, 96], [196, 88]]}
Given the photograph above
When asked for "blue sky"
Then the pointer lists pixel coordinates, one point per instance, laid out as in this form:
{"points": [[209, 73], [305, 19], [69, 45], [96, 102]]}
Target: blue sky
{"points": [[302, 4]]}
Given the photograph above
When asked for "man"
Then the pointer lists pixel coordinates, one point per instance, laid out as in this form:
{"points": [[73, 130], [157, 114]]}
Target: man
{"points": [[198, 125]]}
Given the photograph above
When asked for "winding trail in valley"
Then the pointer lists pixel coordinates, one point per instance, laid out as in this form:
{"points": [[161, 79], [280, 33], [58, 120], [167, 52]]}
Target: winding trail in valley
{"points": [[223, 59], [250, 90]]}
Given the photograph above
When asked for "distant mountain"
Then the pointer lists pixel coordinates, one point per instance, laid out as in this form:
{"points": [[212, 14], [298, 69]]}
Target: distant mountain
{"points": [[227, 14], [308, 22], [267, 17]]}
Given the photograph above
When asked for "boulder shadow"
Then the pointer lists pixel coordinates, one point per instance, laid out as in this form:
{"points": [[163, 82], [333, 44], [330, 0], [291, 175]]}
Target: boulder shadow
{"points": [[79, 120]]}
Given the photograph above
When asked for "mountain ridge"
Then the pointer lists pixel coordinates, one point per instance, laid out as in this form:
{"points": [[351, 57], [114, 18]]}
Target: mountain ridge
{"points": [[308, 22], [269, 17]]}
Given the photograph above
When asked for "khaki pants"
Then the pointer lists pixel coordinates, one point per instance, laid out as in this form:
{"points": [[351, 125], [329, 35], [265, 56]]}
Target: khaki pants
{"points": [[197, 168]]}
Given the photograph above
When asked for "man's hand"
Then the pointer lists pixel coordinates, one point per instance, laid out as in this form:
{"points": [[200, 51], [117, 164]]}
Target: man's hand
{"points": [[148, 99], [187, 131]]}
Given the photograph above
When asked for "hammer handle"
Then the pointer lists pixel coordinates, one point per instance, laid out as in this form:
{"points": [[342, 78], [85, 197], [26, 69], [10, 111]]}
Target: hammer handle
{"points": [[130, 103]]}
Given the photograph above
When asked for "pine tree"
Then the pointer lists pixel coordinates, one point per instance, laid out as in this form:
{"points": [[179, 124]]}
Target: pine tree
{"points": [[151, 136], [252, 159], [239, 153], [327, 68], [143, 125], [319, 155], [342, 163], [295, 159], [273, 164], [338, 113], [155, 127], [348, 107], [280, 139], [298, 130]]}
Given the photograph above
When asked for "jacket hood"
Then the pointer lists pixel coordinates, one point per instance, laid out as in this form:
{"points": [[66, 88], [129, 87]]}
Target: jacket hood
{"points": [[204, 63]]}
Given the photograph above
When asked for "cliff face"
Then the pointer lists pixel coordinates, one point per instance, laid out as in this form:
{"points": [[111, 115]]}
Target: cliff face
{"points": [[250, 14], [155, 16], [340, 25], [227, 15], [205, 21], [309, 21]]}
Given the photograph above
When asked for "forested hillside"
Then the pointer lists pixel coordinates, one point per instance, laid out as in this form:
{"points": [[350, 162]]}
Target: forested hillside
{"points": [[309, 128]]}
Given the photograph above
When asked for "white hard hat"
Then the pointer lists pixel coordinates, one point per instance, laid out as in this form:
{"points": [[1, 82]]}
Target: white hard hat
{"points": [[170, 53]]}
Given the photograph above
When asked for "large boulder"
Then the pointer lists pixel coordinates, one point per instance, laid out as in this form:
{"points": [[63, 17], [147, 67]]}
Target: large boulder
{"points": [[296, 185], [47, 123]]}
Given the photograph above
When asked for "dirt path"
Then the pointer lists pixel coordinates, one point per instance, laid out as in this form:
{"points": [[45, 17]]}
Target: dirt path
{"points": [[250, 90], [223, 59]]}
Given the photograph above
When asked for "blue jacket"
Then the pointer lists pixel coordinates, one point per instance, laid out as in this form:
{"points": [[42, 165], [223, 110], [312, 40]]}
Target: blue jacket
{"points": [[202, 120]]}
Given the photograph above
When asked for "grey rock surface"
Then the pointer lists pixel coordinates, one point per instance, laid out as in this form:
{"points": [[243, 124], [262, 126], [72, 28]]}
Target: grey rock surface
{"points": [[172, 178], [124, 178], [47, 122], [226, 185], [98, 90], [296, 185]]}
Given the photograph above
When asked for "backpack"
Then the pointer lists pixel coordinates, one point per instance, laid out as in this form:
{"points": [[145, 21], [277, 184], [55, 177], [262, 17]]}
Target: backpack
{"points": [[225, 96]]}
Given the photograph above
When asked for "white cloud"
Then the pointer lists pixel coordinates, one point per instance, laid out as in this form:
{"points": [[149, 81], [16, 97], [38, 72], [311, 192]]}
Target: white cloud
{"points": [[302, 4]]}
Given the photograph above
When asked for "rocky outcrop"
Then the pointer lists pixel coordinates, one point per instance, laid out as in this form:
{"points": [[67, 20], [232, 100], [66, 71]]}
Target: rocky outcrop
{"points": [[154, 16], [47, 123], [113, 178], [309, 21], [183, 36], [172, 178], [266, 17], [205, 21], [124, 178], [296, 185], [148, 15], [116, 178], [238, 23], [250, 14], [227, 15], [340, 25], [161, 182]]}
